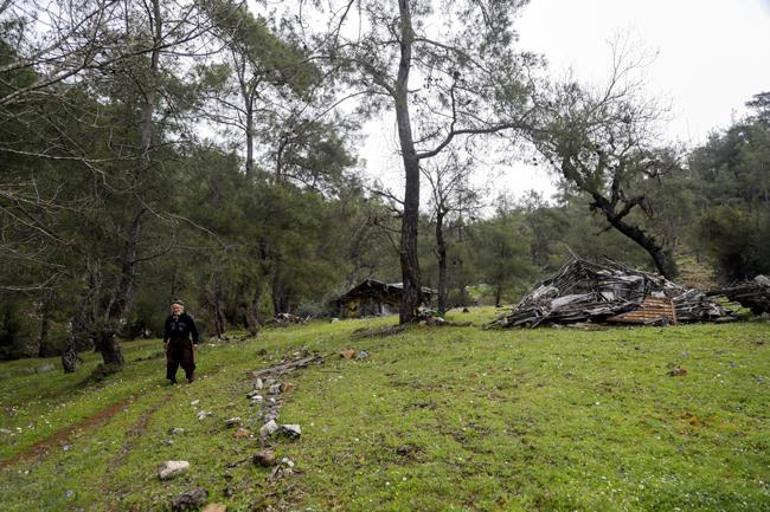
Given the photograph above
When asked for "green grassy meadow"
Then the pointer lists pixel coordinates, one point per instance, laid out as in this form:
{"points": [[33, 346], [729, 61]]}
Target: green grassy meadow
{"points": [[435, 419]]}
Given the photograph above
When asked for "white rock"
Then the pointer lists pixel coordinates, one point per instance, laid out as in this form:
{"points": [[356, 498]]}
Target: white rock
{"points": [[259, 384], [202, 414], [275, 389], [233, 422], [268, 428], [195, 402], [172, 468], [292, 431]]}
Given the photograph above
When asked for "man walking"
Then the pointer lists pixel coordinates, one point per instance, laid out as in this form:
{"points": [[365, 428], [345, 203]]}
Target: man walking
{"points": [[180, 350]]}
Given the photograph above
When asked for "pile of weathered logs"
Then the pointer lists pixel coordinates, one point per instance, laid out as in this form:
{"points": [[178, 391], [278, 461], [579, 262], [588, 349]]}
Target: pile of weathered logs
{"points": [[754, 294], [584, 291]]}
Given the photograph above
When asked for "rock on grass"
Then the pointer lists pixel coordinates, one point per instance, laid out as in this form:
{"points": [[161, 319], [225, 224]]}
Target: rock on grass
{"points": [[172, 468]]}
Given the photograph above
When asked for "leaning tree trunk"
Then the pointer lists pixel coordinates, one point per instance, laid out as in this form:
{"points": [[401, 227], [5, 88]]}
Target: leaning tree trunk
{"points": [[662, 258], [410, 266]]}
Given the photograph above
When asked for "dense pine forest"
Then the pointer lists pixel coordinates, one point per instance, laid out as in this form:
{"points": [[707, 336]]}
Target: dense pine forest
{"points": [[209, 152]]}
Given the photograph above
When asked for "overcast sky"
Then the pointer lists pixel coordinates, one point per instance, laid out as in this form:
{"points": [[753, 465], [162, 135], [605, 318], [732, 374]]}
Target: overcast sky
{"points": [[711, 56]]}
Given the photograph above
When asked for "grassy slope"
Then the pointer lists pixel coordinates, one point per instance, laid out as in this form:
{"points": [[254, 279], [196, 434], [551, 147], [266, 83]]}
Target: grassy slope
{"points": [[435, 419]]}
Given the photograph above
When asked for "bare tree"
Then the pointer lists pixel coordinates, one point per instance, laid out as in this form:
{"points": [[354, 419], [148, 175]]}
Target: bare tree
{"points": [[451, 195], [603, 143]]}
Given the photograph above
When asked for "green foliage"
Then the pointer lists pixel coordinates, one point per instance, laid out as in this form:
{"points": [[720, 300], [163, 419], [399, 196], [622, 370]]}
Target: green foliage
{"points": [[16, 329], [272, 57], [734, 203]]}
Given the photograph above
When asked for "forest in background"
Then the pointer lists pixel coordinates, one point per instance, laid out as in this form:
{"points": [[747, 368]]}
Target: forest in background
{"points": [[172, 150]]}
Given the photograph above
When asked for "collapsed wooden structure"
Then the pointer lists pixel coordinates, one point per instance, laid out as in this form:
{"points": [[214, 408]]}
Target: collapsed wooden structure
{"points": [[754, 294], [610, 292], [376, 298]]}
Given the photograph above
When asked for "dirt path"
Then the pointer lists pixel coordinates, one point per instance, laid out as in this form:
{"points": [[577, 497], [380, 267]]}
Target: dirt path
{"points": [[41, 448], [137, 430]]}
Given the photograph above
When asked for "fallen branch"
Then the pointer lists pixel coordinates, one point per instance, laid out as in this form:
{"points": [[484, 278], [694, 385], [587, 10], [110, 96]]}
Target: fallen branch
{"points": [[289, 366], [379, 331]]}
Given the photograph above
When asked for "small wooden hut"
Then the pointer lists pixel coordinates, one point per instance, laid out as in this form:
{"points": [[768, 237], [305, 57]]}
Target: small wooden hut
{"points": [[375, 298]]}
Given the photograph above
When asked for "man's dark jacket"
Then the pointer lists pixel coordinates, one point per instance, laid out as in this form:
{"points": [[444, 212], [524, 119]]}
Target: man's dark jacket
{"points": [[180, 328]]}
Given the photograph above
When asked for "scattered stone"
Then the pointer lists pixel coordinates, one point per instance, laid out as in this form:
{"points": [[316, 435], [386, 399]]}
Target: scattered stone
{"points": [[268, 428], [202, 414], [228, 492], [275, 389], [195, 402], [760, 379], [677, 371], [285, 468], [259, 384], [172, 468], [291, 431], [233, 422], [69, 493], [256, 400], [175, 431], [215, 507], [265, 459], [362, 355], [348, 353], [270, 381], [168, 442], [287, 387], [5, 431], [272, 400], [66, 447], [241, 433], [335, 320], [45, 368], [253, 393], [190, 500]]}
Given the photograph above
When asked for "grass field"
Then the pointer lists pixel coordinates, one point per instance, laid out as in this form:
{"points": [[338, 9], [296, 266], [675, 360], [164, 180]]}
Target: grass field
{"points": [[449, 418]]}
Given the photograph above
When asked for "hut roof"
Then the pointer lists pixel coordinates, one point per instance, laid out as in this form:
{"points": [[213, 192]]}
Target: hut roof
{"points": [[375, 288]]}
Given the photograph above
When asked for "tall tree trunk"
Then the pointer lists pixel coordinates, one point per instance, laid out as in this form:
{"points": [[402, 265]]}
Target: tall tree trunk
{"points": [[45, 322], [213, 302], [107, 344], [123, 298], [249, 138], [251, 310], [410, 266], [441, 256]]}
